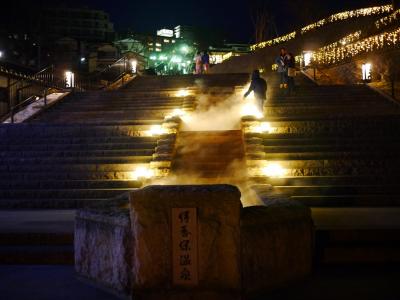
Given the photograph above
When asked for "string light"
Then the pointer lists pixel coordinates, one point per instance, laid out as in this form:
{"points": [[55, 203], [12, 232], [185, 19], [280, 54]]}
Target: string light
{"points": [[334, 55], [363, 12], [385, 21]]}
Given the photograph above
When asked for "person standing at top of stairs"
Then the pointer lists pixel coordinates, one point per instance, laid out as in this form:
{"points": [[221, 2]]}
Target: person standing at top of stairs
{"points": [[281, 61], [259, 87]]}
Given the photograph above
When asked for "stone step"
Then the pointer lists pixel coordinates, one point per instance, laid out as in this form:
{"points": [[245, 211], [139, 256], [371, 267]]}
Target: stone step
{"points": [[286, 142], [50, 203], [124, 153], [329, 111], [358, 246], [27, 130], [33, 184], [339, 154], [56, 161], [72, 194], [67, 175], [83, 167], [350, 200], [328, 180], [327, 190], [79, 140], [37, 255], [79, 147]]}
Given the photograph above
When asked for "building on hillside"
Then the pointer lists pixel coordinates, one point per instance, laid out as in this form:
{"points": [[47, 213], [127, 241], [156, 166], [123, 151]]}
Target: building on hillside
{"points": [[220, 54], [82, 24]]}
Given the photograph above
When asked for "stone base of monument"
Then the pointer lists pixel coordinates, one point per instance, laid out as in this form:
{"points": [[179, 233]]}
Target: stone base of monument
{"points": [[193, 242]]}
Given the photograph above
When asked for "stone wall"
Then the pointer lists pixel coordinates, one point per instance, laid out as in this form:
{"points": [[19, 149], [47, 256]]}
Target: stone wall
{"points": [[103, 248]]}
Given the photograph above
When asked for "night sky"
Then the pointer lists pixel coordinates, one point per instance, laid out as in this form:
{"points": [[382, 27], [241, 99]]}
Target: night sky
{"points": [[231, 16]]}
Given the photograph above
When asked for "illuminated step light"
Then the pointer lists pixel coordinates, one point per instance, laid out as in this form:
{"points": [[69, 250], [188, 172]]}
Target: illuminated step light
{"points": [[274, 170], [182, 93], [251, 110], [366, 72], [262, 127], [141, 173], [157, 130]]}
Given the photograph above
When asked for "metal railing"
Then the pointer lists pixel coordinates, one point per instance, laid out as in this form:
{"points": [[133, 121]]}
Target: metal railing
{"points": [[104, 78], [26, 89], [22, 91]]}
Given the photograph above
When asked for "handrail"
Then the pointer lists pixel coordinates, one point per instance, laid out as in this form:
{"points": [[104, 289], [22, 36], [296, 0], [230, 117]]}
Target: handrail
{"points": [[85, 83], [22, 91]]}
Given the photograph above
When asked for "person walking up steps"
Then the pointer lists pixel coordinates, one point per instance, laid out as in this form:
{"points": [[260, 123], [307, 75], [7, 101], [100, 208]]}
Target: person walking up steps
{"points": [[259, 87], [198, 62], [205, 59], [281, 61]]}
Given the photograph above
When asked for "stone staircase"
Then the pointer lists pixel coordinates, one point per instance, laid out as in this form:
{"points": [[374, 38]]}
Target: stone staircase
{"points": [[338, 148], [83, 151]]}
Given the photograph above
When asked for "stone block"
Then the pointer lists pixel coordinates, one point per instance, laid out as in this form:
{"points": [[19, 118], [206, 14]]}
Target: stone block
{"points": [[277, 244], [103, 248], [218, 211]]}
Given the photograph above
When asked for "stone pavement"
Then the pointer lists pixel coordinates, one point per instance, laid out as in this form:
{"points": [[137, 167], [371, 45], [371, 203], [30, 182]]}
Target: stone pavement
{"points": [[58, 282]]}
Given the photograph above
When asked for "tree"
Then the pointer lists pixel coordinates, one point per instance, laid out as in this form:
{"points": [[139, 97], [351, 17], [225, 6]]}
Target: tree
{"points": [[261, 18]]}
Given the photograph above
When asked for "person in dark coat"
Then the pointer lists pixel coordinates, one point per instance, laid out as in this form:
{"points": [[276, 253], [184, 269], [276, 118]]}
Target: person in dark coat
{"points": [[205, 59], [281, 62], [259, 87]]}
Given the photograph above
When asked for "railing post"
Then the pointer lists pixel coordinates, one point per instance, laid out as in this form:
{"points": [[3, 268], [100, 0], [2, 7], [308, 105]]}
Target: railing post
{"points": [[45, 97]]}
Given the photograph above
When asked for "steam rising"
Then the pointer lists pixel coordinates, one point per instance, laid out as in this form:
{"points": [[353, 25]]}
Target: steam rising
{"points": [[215, 112]]}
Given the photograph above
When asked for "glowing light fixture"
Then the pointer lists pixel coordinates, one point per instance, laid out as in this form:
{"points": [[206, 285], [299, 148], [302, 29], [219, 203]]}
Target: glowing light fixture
{"points": [[366, 72], [156, 130], [83, 59], [274, 170], [251, 110], [307, 58], [1, 54], [69, 79], [182, 93], [141, 173], [262, 127]]}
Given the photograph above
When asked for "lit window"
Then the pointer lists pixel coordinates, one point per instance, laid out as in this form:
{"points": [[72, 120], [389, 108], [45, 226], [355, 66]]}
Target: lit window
{"points": [[158, 44]]}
